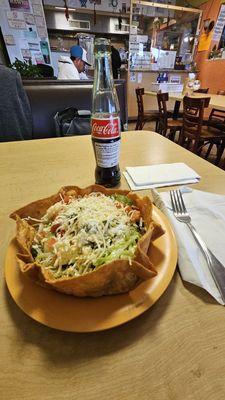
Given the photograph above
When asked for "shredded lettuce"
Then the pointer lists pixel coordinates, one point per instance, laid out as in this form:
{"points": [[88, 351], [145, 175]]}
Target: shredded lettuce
{"points": [[77, 237], [122, 199]]}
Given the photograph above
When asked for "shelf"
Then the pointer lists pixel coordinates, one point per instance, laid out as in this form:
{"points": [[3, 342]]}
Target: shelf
{"points": [[160, 70], [71, 33], [215, 59], [88, 11]]}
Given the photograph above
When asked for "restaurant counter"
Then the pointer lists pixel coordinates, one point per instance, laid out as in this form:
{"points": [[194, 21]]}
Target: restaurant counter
{"points": [[141, 78]]}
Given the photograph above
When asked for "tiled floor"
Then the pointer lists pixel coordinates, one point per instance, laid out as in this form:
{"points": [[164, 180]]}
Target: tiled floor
{"points": [[150, 126]]}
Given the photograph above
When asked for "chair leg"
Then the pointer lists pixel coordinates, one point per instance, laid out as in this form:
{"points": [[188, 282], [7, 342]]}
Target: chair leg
{"points": [[137, 125], [220, 150], [196, 146], [178, 138], [188, 144], [140, 124], [208, 151], [172, 134], [181, 140]]}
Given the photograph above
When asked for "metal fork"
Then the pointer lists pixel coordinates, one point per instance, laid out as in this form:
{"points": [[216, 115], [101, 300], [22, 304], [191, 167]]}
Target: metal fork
{"points": [[216, 269]]}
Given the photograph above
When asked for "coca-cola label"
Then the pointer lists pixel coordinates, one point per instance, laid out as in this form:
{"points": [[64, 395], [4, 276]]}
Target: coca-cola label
{"points": [[105, 128]]}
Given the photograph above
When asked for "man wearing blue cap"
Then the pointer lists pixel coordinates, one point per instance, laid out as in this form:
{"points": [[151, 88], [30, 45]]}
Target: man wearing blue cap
{"points": [[73, 67]]}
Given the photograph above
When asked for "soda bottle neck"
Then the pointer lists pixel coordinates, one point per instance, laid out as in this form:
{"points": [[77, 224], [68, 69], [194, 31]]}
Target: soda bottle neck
{"points": [[104, 94], [103, 72]]}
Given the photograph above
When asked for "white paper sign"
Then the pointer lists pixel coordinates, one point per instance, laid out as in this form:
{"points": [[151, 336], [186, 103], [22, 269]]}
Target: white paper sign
{"points": [[133, 30], [17, 24], [175, 79], [9, 40], [142, 38], [141, 47], [42, 32], [29, 19], [15, 15], [40, 22], [133, 77], [16, 19], [133, 38], [37, 9], [26, 54], [139, 77]]}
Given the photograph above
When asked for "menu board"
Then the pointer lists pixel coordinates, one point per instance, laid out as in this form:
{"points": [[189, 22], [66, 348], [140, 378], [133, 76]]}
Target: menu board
{"points": [[218, 29]]}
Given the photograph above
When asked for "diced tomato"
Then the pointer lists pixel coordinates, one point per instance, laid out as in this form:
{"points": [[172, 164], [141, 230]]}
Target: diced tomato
{"points": [[135, 216], [67, 199], [41, 234], [50, 242], [54, 227]]}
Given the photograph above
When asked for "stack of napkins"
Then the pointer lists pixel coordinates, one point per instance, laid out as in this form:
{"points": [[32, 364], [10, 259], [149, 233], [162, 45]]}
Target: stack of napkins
{"points": [[153, 176], [207, 211]]}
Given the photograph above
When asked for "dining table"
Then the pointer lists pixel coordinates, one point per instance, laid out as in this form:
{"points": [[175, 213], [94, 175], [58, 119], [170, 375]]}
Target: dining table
{"points": [[174, 350], [216, 100]]}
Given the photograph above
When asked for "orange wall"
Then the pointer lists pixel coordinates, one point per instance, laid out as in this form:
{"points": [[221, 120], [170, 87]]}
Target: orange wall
{"points": [[211, 73]]}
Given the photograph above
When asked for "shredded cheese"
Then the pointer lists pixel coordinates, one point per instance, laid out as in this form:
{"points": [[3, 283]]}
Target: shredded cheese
{"points": [[77, 237]]}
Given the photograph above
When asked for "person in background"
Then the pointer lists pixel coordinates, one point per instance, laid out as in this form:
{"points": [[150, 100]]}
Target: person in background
{"points": [[73, 67], [116, 62], [15, 110]]}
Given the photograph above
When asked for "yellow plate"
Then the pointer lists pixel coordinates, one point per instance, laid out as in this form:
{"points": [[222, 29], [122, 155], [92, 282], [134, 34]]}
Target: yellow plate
{"points": [[69, 313]]}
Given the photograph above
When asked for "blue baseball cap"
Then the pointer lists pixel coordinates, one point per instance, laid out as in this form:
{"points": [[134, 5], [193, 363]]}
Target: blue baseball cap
{"points": [[79, 52]]}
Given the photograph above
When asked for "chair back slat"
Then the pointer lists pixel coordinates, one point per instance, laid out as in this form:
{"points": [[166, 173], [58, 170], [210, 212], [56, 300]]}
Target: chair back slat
{"points": [[162, 98], [221, 92], [193, 116], [140, 103], [217, 115], [202, 90]]}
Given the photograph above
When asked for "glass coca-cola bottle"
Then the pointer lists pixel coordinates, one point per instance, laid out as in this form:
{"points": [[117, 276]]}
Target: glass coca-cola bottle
{"points": [[105, 119]]}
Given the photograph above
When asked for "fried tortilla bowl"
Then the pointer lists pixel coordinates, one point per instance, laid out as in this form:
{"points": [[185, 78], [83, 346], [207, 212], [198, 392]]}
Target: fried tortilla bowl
{"points": [[118, 276]]}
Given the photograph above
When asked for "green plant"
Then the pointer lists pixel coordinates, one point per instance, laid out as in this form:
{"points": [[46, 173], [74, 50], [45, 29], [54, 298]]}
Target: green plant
{"points": [[192, 67], [214, 53], [26, 69]]}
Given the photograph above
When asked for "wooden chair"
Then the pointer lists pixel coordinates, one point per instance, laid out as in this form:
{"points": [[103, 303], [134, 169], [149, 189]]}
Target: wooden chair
{"points": [[166, 123], [221, 92], [215, 120], [194, 135], [201, 90], [144, 116], [223, 163]]}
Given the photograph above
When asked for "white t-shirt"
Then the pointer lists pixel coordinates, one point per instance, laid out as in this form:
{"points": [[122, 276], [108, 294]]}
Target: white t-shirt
{"points": [[67, 69]]}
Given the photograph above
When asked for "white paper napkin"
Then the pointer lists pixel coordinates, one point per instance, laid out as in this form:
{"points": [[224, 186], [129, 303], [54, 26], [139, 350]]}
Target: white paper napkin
{"points": [[152, 176], [207, 212]]}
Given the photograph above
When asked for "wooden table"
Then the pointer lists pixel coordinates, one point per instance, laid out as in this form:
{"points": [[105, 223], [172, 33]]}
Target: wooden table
{"points": [[175, 350], [216, 100]]}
